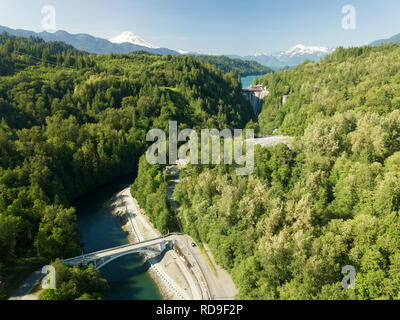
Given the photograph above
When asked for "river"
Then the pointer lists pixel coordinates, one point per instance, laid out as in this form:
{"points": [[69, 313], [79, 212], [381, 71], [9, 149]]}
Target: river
{"points": [[128, 277]]}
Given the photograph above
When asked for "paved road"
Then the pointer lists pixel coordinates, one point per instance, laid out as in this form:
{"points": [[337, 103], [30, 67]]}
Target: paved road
{"points": [[171, 194], [220, 286], [216, 290], [134, 213], [26, 288], [271, 141]]}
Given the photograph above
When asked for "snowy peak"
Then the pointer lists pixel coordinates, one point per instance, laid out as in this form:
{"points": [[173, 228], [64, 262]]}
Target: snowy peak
{"points": [[301, 49], [129, 37], [183, 52], [291, 58]]}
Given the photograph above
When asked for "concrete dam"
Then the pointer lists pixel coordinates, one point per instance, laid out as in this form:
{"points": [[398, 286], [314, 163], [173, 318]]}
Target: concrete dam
{"points": [[256, 95]]}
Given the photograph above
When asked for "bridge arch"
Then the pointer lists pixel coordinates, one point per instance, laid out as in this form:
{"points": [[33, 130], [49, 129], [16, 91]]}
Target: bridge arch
{"points": [[112, 258], [102, 258]]}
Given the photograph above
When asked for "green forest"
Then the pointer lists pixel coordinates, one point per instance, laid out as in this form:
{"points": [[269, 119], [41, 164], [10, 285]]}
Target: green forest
{"points": [[355, 79], [76, 283], [70, 122], [331, 200], [244, 68]]}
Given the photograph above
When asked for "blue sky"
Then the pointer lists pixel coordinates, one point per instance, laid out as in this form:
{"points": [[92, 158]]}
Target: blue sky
{"points": [[215, 26]]}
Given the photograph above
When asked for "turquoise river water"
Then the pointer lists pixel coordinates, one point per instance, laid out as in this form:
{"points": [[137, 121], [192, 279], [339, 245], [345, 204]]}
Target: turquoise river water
{"points": [[127, 276], [247, 81]]}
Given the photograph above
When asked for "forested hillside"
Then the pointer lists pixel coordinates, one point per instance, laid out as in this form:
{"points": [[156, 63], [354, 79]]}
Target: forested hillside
{"points": [[70, 121], [244, 68], [332, 200], [76, 283], [358, 79]]}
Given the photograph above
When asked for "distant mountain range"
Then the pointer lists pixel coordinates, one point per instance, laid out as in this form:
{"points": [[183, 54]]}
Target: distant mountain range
{"points": [[291, 58], [243, 67], [129, 42], [95, 45], [394, 39]]}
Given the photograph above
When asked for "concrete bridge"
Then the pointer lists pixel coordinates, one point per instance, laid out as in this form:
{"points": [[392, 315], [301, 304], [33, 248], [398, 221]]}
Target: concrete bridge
{"points": [[256, 95], [102, 258]]}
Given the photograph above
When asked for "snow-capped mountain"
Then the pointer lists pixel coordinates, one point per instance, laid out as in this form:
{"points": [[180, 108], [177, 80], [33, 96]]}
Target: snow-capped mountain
{"points": [[290, 58], [183, 52], [129, 42], [302, 49], [130, 37]]}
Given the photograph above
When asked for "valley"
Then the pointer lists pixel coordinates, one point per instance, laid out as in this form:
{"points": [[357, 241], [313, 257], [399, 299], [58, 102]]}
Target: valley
{"points": [[323, 194]]}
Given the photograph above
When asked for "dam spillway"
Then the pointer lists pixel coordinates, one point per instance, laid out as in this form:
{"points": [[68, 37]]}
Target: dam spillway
{"points": [[256, 95]]}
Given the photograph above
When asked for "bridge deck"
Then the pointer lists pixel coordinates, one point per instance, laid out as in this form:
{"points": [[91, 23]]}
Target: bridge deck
{"points": [[118, 250]]}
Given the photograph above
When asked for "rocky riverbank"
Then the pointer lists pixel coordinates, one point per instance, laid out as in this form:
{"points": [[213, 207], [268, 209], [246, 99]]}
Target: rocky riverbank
{"points": [[172, 273]]}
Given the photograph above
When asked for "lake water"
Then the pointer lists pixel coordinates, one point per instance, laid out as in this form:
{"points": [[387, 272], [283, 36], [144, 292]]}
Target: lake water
{"points": [[247, 81], [127, 276]]}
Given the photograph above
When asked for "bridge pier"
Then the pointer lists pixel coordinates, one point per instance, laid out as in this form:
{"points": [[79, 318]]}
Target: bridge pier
{"points": [[166, 245]]}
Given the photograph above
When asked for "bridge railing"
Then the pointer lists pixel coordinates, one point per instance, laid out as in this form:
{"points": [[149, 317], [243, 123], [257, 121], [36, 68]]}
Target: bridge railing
{"points": [[122, 247]]}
